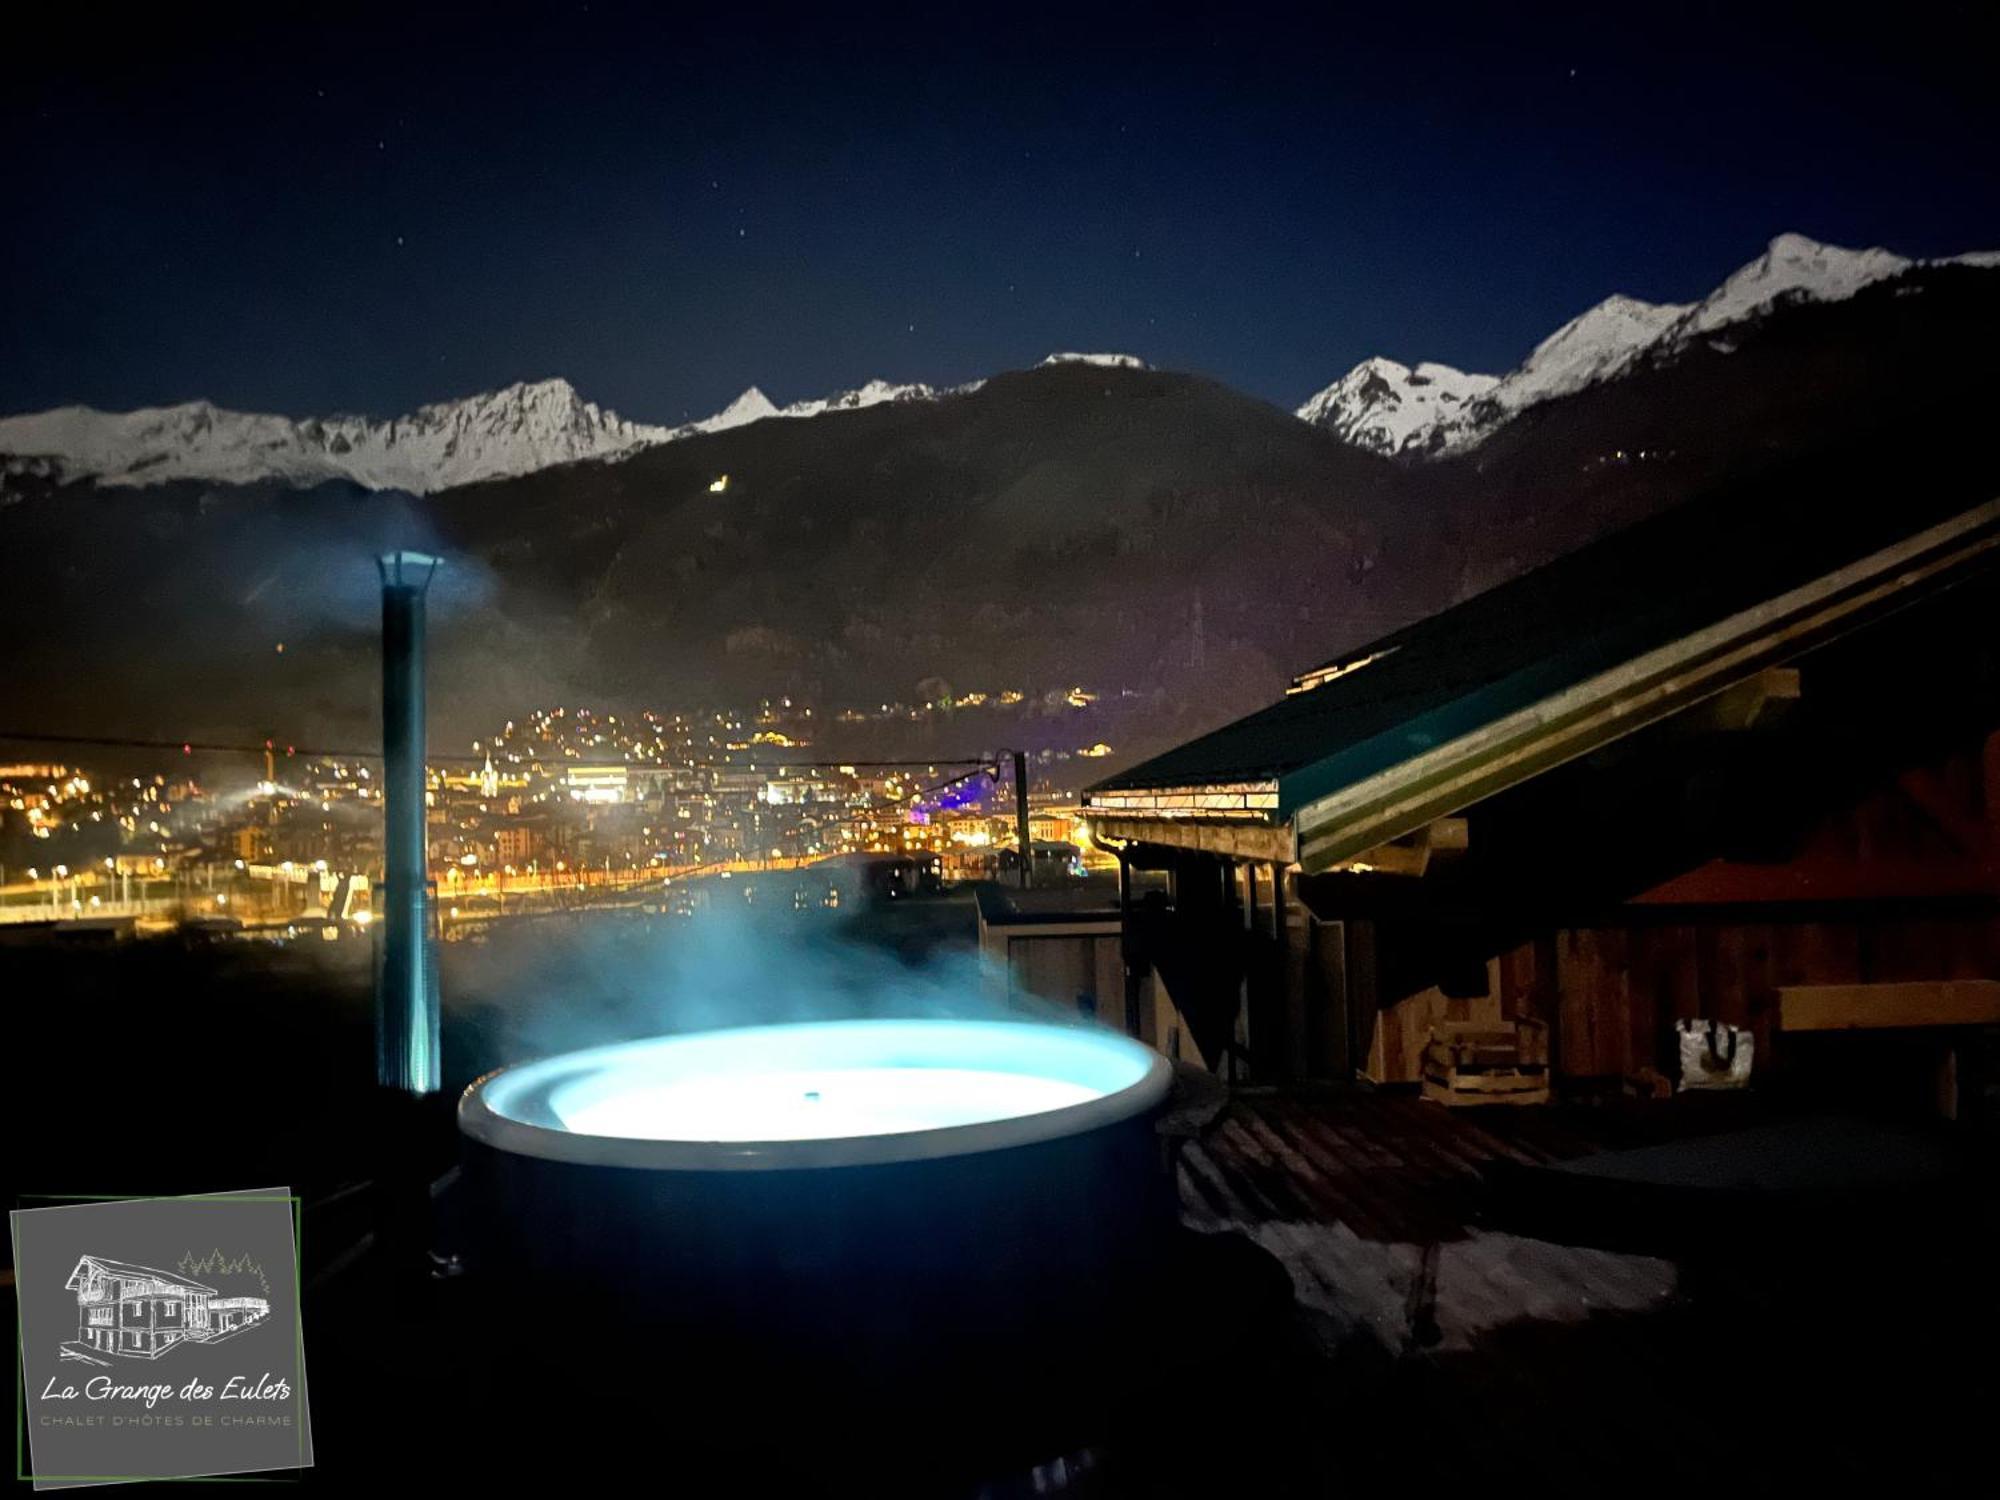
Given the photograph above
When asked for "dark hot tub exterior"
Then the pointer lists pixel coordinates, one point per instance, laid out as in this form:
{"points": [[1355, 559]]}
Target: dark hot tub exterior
{"points": [[973, 1266]]}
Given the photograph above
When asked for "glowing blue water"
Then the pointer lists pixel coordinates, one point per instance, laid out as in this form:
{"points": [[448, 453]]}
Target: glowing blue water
{"points": [[817, 1104], [825, 1080]]}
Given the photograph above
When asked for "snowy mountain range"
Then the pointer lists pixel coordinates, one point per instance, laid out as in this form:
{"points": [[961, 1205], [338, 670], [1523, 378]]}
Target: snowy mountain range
{"points": [[490, 436], [754, 406], [1434, 409], [1421, 411], [1079, 523], [497, 435]]}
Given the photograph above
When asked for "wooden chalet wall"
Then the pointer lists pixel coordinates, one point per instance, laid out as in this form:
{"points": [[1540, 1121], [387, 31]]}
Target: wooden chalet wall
{"points": [[1904, 886]]}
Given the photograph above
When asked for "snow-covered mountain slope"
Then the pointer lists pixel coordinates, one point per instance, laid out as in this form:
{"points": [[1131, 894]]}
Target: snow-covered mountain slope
{"points": [[1791, 268], [1584, 350], [1373, 408], [752, 406], [1109, 361], [492, 436], [875, 393], [499, 435], [1386, 407]]}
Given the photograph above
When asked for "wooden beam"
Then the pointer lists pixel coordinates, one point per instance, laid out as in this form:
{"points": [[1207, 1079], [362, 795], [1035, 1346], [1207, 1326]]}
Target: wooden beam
{"points": [[1848, 1007], [1756, 700], [1258, 841], [1412, 855]]}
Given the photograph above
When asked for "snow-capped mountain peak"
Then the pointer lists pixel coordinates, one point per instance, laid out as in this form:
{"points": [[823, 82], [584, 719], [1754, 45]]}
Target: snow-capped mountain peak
{"points": [[1389, 407], [1109, 361], [1587, 348], [1373, 407], [1792, 268], [752, 406]]}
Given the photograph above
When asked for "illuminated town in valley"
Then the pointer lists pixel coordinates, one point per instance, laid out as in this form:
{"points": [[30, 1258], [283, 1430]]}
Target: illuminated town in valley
{"points": [[562, 808]]}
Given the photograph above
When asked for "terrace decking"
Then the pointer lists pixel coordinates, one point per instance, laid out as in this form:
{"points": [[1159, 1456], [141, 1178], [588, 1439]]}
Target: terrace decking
{"points": [[1449, 1353], [1367, 1201], [1356, 1305]]}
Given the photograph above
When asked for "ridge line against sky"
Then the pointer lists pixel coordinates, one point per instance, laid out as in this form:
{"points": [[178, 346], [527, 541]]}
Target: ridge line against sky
{"points": [[452, 201]]}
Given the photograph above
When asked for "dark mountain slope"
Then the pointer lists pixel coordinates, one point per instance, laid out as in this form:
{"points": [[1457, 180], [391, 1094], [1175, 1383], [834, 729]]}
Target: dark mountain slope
{"points": [[1903, 369], [1118, 529], [1052, 527]]}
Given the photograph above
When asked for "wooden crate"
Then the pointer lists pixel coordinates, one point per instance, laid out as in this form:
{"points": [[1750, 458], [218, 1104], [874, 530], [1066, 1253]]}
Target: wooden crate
{"points": [[1468, 1063]]}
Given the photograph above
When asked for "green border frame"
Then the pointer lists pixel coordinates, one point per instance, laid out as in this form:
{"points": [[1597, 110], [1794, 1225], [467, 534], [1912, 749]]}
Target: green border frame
{"points": [[56, 1200]]}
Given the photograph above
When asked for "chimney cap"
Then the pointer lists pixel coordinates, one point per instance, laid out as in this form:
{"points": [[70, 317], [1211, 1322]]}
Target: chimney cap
{"points": [[408, 569]]}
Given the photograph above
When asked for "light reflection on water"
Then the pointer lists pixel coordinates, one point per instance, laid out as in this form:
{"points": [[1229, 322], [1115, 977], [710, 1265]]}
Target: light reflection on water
{"points": [[822, 1080], [819, 1104]]}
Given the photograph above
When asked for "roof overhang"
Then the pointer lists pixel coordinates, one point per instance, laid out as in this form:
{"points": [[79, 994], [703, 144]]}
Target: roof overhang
{"points": [[1221, 801], [1656, 685], [1263, 841], [1243, 819]]}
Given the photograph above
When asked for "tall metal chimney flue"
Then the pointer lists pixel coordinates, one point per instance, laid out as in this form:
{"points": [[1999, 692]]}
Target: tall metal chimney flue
{"points": [[406, 999], [1023, 828]]}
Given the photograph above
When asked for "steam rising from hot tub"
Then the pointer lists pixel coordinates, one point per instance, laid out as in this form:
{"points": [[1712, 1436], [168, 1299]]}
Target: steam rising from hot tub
{"points": [[589, 984]]}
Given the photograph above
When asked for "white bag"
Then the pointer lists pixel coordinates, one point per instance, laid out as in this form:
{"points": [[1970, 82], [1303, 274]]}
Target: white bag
{"points": [[1714, 1055]]}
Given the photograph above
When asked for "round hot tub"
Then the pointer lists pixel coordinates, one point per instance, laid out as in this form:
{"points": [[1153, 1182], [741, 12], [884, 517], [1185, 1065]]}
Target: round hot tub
{"points": [[849, 1203]]}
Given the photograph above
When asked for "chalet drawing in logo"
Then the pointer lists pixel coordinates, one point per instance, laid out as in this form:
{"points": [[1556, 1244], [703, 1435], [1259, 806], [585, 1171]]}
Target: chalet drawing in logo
{"points": [[177, 1356], [138, 1312]]}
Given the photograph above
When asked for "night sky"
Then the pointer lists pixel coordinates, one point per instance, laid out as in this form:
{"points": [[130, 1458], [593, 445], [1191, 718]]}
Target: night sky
{"points": [[385, 207]]}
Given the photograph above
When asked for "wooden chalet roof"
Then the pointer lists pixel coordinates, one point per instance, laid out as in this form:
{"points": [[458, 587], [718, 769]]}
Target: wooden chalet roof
{"points": [[1547, 666]]}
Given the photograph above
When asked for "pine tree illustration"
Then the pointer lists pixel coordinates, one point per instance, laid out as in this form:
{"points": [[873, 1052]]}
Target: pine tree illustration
{"points": [[215, 1263]]}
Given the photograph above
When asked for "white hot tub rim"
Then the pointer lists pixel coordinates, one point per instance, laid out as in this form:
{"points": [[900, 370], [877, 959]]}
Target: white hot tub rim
{"points": [[481, 1121]]}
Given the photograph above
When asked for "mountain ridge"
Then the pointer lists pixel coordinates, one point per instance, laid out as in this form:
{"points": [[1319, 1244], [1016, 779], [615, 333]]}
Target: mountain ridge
{"points": [[1605, 341], [1415, 412], [490, 435], [520, 429], [1181, 548]]}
